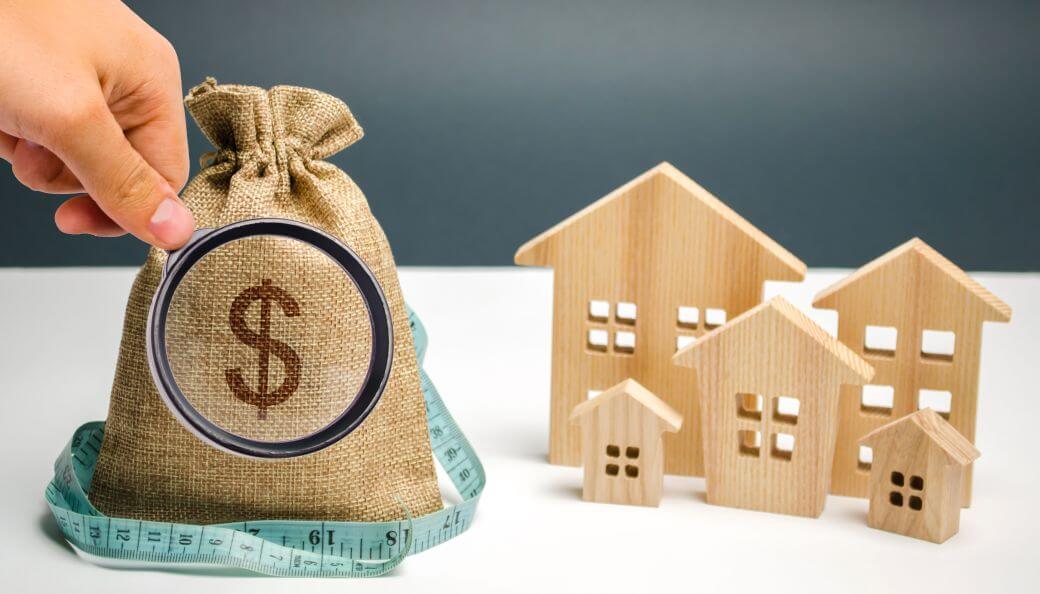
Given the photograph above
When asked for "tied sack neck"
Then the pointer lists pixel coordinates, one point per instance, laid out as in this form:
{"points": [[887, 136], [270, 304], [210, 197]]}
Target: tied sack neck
{"points": [[270, 132]]}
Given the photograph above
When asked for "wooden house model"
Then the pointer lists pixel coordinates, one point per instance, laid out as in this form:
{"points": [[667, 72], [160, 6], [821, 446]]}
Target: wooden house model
{"points": [[622, 431], [920, 463], [917, 319], [769, 384], [638, 274]]}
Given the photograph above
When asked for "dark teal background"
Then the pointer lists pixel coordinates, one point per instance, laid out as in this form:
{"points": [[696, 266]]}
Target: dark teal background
{"points": [[839, 128]]}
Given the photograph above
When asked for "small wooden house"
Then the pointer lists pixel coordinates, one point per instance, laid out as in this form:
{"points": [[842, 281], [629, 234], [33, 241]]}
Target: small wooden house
{"points": [[920, 463], [917, 319], [769, 383], [622, 450], [638, 274]]}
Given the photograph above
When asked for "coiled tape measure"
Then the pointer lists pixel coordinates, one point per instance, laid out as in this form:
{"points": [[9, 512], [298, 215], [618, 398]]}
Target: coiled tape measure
{"points": [[272, 547]]}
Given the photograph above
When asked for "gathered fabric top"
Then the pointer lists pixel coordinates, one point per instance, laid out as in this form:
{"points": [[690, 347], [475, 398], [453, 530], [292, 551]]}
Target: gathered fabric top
{"points": [[276, 130]]}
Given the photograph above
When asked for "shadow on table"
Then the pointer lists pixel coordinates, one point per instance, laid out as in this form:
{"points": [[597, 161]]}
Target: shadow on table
{"points": [[838, 509], [520, 443], [49, 527], [569, 491]]}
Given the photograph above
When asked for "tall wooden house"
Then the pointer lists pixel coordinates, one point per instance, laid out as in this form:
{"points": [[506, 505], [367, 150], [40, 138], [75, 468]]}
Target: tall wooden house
{"points": [[917, 318], [622, 431], [769, 384], [639, 273], [920, 463]]}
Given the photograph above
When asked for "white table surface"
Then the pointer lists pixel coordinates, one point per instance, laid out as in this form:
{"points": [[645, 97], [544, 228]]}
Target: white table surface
{"points": [[489, 355]]}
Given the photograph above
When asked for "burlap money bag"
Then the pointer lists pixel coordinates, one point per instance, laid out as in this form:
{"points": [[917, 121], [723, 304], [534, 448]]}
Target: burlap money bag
{"points": [[270, 145]]}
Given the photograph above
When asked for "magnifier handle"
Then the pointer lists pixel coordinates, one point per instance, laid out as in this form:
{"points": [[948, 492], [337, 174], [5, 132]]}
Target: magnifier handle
{"points": [[173, 255]]}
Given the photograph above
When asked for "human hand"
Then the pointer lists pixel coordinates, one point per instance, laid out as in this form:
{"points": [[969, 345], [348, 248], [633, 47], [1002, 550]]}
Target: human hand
{"points": [[90, 102]]}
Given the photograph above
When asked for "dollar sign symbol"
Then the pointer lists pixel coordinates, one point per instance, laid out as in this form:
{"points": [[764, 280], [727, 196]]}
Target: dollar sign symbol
{"points": [[262, 397]]}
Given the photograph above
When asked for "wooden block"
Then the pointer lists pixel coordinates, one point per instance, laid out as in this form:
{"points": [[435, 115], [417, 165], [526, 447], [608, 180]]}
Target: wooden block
{"points": [[636, 273], [769, 384], [916, 476], [622, 450], [890, 311]]}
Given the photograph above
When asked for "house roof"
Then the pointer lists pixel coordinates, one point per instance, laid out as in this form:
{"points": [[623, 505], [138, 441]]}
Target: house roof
{"points": [[778, 306], [957, 447], [632, 389], [529, 255], [994, 308]]}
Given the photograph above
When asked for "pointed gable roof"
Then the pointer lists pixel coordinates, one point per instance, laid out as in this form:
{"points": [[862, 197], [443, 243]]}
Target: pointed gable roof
{"points": [[957, 448], [788, 266], [630, 388], [790, 320], [993, 308]]}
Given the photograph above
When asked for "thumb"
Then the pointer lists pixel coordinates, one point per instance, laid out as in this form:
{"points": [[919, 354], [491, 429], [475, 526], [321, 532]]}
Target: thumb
{"points": [[126, 188]]}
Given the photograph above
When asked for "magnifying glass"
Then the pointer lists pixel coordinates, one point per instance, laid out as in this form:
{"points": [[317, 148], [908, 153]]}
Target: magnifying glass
{"points": [[269, 338]]}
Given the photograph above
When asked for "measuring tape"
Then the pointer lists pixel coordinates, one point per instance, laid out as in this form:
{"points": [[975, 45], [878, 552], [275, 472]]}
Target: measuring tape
{"points": [[273, 547]]}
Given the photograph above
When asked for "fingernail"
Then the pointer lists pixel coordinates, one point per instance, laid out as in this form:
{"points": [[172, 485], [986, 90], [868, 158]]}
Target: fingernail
{"points": [[171, 223]]}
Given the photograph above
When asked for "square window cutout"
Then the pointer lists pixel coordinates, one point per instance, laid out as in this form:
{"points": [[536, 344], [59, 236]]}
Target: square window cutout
{"points": [[599, 310], [598, 340], [624, 341], [783, 446], [938, 400], [713, 318], [749, 406], [688, 317], [626, 312], [877, 400], [683, 341], [750, 442], [880, 341], [785, 409], [865, 458], [937, 345]]}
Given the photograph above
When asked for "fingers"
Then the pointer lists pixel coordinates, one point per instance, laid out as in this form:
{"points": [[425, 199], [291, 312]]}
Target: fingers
{"points": [[39, 169], [163, 143], [163, 139], [80, 214], [150, 107], [125, 187], [7, 143]]}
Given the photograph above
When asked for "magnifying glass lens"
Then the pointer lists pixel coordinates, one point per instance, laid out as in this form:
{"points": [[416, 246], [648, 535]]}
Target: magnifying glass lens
{"points": [[268, 338]]}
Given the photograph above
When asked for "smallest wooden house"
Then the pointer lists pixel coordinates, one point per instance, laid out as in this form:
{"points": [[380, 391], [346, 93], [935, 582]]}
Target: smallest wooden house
{"points": [[916, 476], [622, 449]]}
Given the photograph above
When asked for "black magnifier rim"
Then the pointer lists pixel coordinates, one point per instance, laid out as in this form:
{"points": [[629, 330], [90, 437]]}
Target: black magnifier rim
{"points": [[379, 317]]}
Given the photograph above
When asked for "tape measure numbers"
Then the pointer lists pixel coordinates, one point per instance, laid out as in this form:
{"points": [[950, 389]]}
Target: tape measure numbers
{"points": [[273, 547]]}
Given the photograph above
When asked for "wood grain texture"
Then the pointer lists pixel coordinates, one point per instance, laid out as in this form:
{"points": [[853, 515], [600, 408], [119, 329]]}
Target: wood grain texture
{"points": [[916, 476], [622, 450], [912, 288], [771, 352], [660, 242]]}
